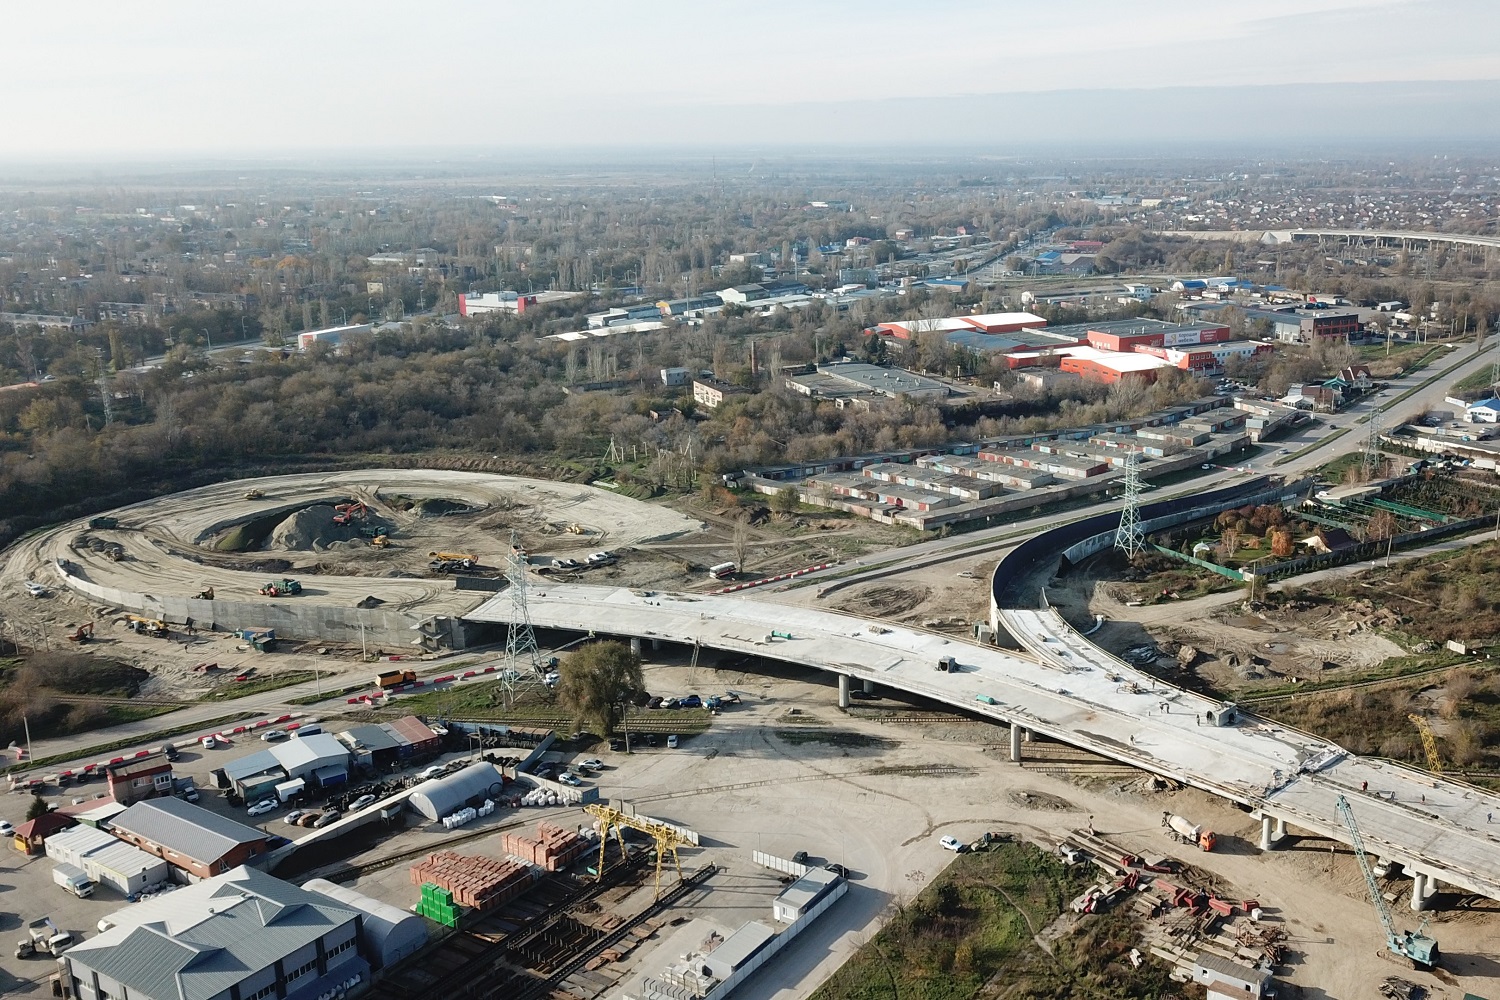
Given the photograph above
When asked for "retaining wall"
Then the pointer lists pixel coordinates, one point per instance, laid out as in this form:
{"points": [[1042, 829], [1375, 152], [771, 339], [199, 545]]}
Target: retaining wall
{"points": [[291, 617]]}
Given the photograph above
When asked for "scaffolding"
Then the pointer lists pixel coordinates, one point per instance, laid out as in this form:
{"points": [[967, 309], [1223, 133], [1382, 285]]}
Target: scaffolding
{"points": [[1129, 538]]}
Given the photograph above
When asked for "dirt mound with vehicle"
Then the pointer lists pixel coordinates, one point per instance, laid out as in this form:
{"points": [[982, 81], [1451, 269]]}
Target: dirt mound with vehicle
{"points": [[309, 528]]}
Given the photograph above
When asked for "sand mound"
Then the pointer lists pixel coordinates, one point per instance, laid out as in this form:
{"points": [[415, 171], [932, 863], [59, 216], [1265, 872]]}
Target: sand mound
{"points": [[309, 527]]}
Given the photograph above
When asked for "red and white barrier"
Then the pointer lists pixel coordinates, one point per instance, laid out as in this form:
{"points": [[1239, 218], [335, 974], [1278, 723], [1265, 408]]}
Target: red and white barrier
{"points": [[773, 579]]}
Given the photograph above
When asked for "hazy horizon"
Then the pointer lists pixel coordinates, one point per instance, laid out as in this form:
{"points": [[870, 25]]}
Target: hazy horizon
{"points": [[93, 83]]}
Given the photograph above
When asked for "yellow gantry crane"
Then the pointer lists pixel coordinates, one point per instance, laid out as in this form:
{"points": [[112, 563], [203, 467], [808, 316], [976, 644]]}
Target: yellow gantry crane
{"points": [[1429, 743], [612, 820]]}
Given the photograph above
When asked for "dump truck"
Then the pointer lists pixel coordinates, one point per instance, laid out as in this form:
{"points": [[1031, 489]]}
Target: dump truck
{"points": [[142, 625], [395, 678], [1187, 832], [281, 588]]}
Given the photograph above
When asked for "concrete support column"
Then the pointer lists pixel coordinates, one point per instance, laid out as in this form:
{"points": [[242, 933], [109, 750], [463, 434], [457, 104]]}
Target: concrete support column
{"points": [[1026, 735], [1279, 831], [655, 644], [1265, 833], [635, 646], [869, 686], [1015, 742], [843, 690], [1431, 887], [1418, 892]]}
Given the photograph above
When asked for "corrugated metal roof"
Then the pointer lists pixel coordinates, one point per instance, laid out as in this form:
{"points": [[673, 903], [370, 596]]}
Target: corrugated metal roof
{"points": [[185, 828], [247, 767], [411, 730], [199, 941], [371, 737], [315, 750], [808, 888]]}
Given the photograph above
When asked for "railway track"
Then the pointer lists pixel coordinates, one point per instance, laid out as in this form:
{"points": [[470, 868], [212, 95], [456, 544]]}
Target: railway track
{"points": [[1270, 699]]}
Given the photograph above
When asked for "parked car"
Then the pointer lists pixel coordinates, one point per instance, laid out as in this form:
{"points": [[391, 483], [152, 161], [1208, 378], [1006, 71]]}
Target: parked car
{"points": [[171, 752], [332, 816], [652, 740], [859, 694], [273, 736], [428, 773], [7, 829], [593, 764], [951, 843], [837, 869], [670, 703], [262, 807], [672, 742], [188, 794], [291, 818], [363, 802], [309, 818], [691, 701], [569, 778], [655, 701], [616, 743]]}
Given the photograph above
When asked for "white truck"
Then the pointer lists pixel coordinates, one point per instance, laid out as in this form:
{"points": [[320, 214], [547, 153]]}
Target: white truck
{"points": [[43, 937], [74, 880]]}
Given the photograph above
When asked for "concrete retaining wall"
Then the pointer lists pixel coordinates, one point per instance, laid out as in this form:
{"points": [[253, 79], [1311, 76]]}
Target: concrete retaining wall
{"points": [[291, 617]]}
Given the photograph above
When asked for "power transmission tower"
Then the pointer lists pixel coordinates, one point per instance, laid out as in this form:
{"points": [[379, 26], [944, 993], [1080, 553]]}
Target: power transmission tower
{"points": [[1373, 461], [1128, 537], [105, 395], [520, 640]]}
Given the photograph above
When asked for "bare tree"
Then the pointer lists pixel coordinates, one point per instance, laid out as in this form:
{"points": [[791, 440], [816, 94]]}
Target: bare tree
{"points": [[741, 542]]}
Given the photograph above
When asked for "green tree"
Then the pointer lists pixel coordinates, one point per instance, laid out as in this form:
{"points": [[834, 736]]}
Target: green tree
{"points": [[38, 807], [596, 684], [786, 501]]}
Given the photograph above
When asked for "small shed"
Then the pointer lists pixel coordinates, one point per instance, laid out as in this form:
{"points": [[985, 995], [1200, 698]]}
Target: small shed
{"points": [[737, 949], [443, 796], [802, 895], [31, 836], [387, 934], [1229, 979]]}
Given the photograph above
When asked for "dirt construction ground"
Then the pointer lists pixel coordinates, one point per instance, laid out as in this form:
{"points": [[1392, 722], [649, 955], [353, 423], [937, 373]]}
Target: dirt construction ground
{"points": [[787, 771]]}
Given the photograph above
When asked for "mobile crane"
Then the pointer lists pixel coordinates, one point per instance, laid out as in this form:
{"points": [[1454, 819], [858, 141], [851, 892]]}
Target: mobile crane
{"points": [[1409, 946]]}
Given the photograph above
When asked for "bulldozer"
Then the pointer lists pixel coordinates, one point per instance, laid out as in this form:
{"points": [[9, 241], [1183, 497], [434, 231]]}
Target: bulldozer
{"points": [[83, 633], [254, 494], [380, 542]]}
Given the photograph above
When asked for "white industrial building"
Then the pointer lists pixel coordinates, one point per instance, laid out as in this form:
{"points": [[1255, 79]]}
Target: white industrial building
{"points": [[802, 896], [386, 934], [444, 796], [107, 860], [243, 935], [333, 335]]}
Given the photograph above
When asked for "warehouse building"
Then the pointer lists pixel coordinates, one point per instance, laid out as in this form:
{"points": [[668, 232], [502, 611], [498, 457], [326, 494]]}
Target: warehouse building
{"points": [[1110, 367], [241, 936], [200, 842], [319, 760], [853, 380], [444, 796], [107, 860], [386, 934]]}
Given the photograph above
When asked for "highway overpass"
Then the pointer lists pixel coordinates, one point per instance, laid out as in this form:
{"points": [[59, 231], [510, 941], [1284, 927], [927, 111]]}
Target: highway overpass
{"points": [[1061, 686]]}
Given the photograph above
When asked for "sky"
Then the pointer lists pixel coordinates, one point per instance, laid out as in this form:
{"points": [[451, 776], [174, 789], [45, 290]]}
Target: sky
{"points": [[100, 80]]}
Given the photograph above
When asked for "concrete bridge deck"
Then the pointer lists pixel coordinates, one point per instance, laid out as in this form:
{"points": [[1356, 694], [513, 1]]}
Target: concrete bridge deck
{"points": [[1064, 687]]}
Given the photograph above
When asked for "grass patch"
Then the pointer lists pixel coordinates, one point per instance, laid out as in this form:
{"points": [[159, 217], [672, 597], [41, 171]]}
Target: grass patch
{"points": [[160, 735], [258, 684], [343, 692], [970, 934]]}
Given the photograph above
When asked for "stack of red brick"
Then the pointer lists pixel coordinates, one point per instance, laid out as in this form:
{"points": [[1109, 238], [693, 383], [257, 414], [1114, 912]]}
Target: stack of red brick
{"points": [[476, 882], [553, 849]]}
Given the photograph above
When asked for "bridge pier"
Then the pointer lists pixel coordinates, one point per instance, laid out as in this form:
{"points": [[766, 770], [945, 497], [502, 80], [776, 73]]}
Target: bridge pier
{"points": [[1420, 894], [1015, 742], [869, 686], [656, 644], [635, 646], [1279, 831], [843, 690], [1267, 842]]}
